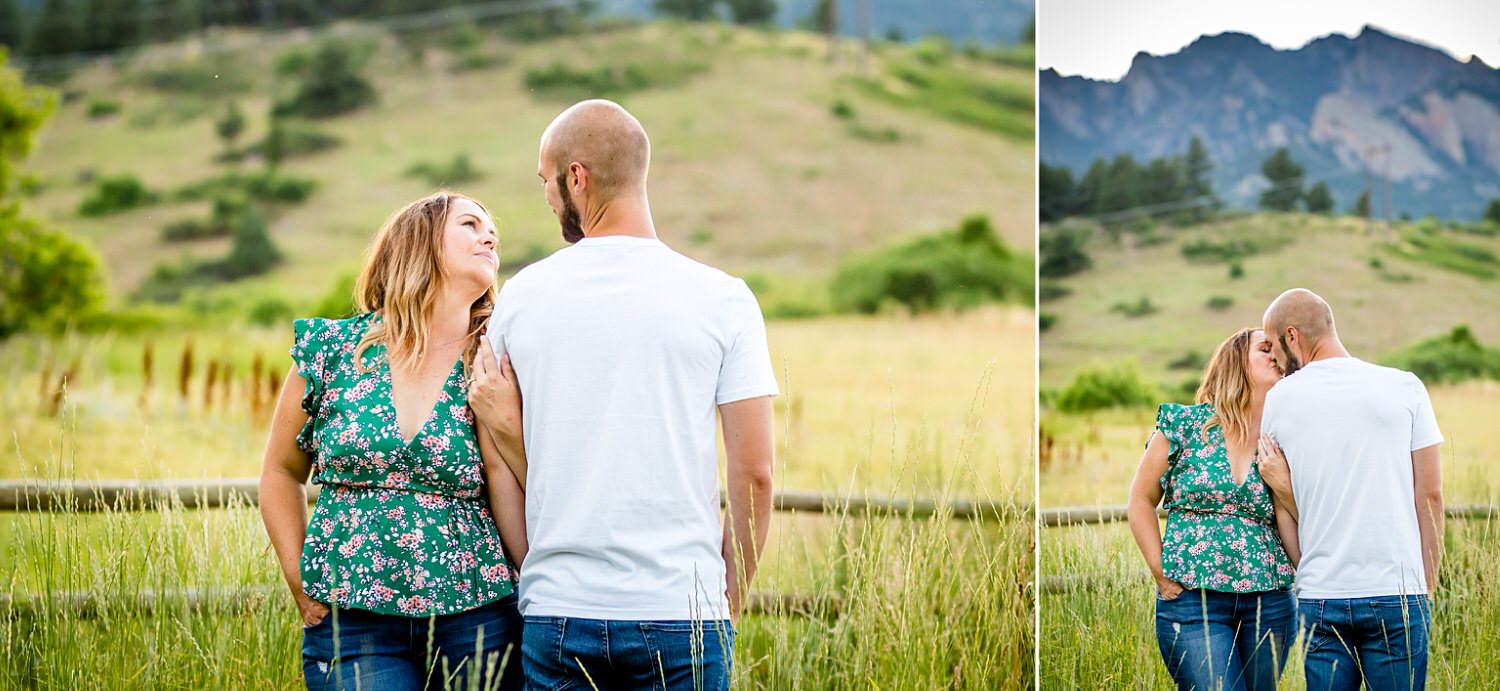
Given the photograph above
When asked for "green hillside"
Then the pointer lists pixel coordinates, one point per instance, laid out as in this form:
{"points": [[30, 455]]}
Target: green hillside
{"points": [[1388, 289], [767, 159]]}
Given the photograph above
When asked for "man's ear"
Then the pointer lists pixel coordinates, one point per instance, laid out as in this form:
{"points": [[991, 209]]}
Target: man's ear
{"points": [[580, 177]]}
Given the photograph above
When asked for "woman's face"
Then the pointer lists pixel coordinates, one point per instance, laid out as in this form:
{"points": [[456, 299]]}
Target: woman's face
{"points": [[1262, 368], [469, 246]]}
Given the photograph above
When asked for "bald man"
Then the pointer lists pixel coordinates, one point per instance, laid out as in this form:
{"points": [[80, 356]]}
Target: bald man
{"points": [[1362, 474], [624, 350]]}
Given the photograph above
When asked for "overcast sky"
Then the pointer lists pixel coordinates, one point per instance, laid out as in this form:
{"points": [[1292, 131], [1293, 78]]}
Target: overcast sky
{"points": [[1098, 38]]}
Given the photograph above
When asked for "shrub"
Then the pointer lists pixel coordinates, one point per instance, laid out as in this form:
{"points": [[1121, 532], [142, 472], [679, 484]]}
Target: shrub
{"points": [[216, 74], [1053, 291], [338, 302], [455, 172], [114, 194], [271, 311], [1106, 387], [1209, 251], [842, 110], [1140, 308], [564, 81], [880, 135], [1453, 357], [295, 138], [1236, 270], [330, 83], [1219, 303], [226, 212], [251, 253], [49, 278], [268, 187], [959, 268], [1045, 320], [103, 108], [1062, 252], [1191, 360]]}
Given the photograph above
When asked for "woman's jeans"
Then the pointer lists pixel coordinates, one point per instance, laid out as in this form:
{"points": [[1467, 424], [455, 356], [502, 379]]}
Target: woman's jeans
{"points": [[359, 649], [1216, 641]]}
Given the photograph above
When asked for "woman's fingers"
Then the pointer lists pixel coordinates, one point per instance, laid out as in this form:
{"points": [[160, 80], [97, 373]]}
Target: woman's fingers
{"points": [[506, 370], [486, 356]]}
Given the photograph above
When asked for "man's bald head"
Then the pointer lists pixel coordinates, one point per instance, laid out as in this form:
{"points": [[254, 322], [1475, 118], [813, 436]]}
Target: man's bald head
{"points": [[1303, 310], [606, 140]]}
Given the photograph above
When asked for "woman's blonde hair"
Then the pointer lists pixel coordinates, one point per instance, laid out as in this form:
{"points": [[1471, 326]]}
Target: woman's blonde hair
{"points": [[1226, 384], [403, 278]]}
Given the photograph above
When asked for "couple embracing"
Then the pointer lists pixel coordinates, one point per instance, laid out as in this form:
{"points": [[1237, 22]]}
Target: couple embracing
{"points": [[1304, 465], [521, 487]]}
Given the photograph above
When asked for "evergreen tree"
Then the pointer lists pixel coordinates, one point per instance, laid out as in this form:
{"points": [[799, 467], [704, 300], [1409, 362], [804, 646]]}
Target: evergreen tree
{"points": [[752, 12], [1492, 212], [1285, 177], [691, 10], [10, 26], [230, 126], [1197, 184], [1361, 206], [1091, 186], [1122, 185], [55, 31], [822, 17], [1319, 199], [1056, 191]]}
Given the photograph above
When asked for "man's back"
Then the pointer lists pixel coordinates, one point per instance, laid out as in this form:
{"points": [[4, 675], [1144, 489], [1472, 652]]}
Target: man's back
{"points": [[623, 348], [1348, 428]]}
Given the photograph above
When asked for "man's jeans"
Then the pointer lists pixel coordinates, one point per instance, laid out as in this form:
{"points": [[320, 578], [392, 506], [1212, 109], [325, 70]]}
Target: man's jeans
{"points": [[1381, 641], [1216, 641], [572, 653]]}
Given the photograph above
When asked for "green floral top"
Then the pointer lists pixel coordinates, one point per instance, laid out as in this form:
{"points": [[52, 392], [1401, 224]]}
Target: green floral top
{"points": [[398, 528], [1220, 536]]}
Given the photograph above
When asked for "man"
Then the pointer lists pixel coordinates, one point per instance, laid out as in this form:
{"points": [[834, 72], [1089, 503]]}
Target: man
{"points": [[623, 350], [1362, 473]]}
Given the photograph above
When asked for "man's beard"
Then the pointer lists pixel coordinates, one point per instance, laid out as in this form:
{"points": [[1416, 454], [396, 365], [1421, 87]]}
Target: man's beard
{"points": [[1292, 364], [571, 222]]}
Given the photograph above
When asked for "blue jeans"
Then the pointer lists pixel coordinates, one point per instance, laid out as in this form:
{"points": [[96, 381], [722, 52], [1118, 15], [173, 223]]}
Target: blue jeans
{"points": [[1380, 641], [1215, 641], [359, 649], [573, 653]]}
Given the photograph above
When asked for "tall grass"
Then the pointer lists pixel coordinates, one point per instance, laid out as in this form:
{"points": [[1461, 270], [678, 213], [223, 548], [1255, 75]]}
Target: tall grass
{"points": [[1097, 619]]}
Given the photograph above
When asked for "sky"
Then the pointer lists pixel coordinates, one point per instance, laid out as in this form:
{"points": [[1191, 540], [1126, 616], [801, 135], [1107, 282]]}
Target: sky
{"points": [[1098, 38]]}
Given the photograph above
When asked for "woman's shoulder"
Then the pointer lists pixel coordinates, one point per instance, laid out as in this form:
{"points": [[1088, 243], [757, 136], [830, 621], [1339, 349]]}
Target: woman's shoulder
{"points": [[1178, 416], [324, 330]]}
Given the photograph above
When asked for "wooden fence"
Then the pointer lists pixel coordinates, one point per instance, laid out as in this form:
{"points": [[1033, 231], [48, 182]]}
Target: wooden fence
{"points": [[201, 494]]}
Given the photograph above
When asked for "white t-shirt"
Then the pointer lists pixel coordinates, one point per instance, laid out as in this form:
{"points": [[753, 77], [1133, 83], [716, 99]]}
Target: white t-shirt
{"points": [[624, 349], [1348, 428]]}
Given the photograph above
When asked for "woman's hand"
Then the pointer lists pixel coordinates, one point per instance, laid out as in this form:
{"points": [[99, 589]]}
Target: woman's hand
{"points": [[1168, 589], [1276, 473], [311, 610], [495, 397]]}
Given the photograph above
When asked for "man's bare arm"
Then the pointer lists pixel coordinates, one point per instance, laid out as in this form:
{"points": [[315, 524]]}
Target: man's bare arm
{"points": [[1427, 476], [749, 447]]}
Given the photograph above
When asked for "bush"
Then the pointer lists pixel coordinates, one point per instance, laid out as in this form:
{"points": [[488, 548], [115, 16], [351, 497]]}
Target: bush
{"points": [[268, 188], [49, 278], [338, 302], [251, 253], [842, 110], [271, 311], [103, 108], [1191, 360], [1210, 251], [227, 210], [1106, 387], [455, 172], [216, 74], [563, 81], [1053, 291], [1219, 303], [1236, 270], [881, 135], [114, 194], [1062, 252], [1140, 308], [1045, 321], [959, 268], [1453, 357], [331, 83]]}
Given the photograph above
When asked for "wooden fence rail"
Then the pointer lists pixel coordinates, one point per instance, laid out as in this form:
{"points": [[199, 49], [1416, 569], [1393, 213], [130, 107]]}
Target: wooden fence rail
{"points": [[213, 494], [1093, 515]]}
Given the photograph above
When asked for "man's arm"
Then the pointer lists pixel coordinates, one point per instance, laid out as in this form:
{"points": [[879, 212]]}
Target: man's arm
{"points": [[1427, 475], [748, 445]]}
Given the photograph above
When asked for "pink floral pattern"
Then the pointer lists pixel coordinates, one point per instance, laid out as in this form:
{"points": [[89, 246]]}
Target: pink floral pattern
{"points": [[398, 528], [1220, 536]]}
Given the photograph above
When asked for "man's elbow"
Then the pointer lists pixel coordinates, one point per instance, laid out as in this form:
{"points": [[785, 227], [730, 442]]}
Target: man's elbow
{"points": [[1430, 497], [754, 475]]}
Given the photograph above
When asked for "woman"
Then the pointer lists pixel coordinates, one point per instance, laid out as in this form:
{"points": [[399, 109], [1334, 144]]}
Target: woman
{"points": [[1225, 614], [402, 545]]}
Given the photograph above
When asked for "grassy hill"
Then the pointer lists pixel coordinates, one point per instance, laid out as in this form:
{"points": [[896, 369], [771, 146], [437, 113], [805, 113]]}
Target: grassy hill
{"points": [[1387, 290], [753, 169]]}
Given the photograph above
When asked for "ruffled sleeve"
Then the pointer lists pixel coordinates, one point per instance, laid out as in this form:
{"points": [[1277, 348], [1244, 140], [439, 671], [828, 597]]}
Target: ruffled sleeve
{"points": [[1170, 419], [312, 354]]}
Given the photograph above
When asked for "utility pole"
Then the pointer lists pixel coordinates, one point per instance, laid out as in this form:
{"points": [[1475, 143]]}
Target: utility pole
{"points": [[864, 36], [833, 31]]}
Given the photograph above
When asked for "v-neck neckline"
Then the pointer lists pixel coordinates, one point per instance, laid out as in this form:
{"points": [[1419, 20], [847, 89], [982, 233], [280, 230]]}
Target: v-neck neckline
{"points": [[1229, 465], [390, 396]]}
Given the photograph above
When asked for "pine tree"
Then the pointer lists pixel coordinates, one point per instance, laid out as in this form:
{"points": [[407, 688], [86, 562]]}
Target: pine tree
{"points": [[55, 31], [1361, 206], [752, 12], [1285, 177], [1492, 212], [10, 26], [691, 10], [230, 126], [1319, 199]]}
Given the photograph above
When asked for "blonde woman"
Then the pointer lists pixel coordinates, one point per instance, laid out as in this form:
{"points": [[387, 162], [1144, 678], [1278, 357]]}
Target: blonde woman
{"points": [[401, 575], [1225, 613]]}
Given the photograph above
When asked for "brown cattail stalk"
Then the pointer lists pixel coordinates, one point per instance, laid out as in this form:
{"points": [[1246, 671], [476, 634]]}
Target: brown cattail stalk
{"points": [[208, 385], [147, 374], [275, 388], [257, 370], [227, 372], [64, 383], [185, 373]]}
